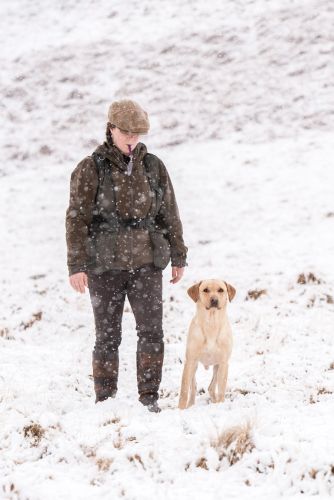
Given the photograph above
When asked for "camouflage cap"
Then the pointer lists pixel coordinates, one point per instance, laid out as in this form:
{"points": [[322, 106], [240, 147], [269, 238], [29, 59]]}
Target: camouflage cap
{"points": [[129, 116]]}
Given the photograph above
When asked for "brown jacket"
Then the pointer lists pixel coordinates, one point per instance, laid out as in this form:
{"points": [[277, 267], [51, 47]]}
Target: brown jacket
{"points": [[133, 247]]}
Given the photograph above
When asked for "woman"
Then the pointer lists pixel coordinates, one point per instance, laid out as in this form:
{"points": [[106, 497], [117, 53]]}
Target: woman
{"points": [[122, 228]]}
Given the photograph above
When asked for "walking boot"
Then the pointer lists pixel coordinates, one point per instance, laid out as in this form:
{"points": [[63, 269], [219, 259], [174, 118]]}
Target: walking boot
{"points": [[154, 407], [150, 357], [105, 374]]}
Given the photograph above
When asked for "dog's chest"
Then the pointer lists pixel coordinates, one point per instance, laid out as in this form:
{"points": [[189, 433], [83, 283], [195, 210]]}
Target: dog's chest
{"points": [[215, 349], [210, 357]]}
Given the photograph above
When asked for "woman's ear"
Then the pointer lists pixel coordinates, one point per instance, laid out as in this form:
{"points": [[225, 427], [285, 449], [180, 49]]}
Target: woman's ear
{"points": [[193, 291], [231, 291]]}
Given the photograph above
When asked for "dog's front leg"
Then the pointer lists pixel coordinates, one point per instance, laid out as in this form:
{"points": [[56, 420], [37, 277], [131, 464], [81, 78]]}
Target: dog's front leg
{"points": [[193, 389], [212, 386], [187, 378], [222, 380]]}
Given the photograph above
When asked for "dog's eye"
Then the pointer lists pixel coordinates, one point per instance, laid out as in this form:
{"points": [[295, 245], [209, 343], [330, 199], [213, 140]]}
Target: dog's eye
{"points": [[206, 290], [221, 290]]}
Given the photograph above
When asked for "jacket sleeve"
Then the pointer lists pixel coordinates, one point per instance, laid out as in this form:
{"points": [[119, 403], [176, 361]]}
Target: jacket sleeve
{"points": [[170, 217], [79, 214]]}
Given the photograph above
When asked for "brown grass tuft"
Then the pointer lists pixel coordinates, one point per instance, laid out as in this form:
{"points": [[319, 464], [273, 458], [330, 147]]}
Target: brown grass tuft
{"points": [[114, 420], [255, 294], [323, 390], [4, 332], [201, 462], [35, 317], [308, 278], [329, 299], [104, 464], [243, 392], [313, 473], [136, 459], [313, 399], [118, 441], [234, 443], [34, 432], [88, 451]]}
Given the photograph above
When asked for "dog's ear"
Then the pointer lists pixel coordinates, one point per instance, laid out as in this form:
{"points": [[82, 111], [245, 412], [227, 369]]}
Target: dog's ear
{"points": [[193, 291], [230, 291]]}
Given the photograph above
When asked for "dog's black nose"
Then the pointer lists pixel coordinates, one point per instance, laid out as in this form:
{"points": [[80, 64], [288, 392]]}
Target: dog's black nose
{"points": [[213, 302]]}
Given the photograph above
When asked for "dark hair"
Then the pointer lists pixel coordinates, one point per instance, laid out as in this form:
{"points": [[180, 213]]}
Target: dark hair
{"points": [[108, 133]]}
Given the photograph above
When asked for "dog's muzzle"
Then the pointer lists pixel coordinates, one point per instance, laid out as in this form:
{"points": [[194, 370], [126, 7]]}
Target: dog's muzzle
{"points": [[213, 303]]}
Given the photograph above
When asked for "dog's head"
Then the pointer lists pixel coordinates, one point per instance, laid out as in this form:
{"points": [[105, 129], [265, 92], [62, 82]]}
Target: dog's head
{"points": [[212, 293]]}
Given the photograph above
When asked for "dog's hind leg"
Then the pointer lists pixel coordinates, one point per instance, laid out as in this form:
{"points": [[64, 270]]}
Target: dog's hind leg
{"points": [[212, 386], [193, 388]]}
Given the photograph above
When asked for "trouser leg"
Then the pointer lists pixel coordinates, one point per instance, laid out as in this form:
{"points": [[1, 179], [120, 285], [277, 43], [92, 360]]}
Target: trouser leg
{"points": [[145, 297], [107, 292]]}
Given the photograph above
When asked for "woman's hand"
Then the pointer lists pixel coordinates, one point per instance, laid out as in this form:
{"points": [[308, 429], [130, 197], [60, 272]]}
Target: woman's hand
{"points": [[177, 273], [78, 281]]}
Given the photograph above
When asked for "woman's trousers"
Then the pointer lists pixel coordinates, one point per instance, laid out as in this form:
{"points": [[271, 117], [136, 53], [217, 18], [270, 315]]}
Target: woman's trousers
{"points": [[143, 287]]}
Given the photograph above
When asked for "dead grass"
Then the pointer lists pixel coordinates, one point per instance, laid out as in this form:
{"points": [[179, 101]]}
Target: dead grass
{"points": [[34, 432], [104, 464], [329, 299], [201, 462], [45, 150], [89, 452], [28, 324], [323, 298], [118, 441], [255, 294], [313, 473], [243, 392], [11, 491], [308, 278], [136, 459], [4, 332], [166, 394], [321, 391], [114, 420], [233, 443]]}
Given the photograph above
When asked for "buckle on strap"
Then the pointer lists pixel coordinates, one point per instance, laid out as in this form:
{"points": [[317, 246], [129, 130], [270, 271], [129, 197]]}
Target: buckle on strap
{"points": [[136, 223]]}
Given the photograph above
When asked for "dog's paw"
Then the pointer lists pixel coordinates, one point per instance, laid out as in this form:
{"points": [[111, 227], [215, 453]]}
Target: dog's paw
{"points": [[182, 405]]}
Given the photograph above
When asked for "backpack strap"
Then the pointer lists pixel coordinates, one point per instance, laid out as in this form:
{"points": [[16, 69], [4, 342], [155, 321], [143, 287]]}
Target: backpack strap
{"points": [[111, 220], [100, 169], [152, 170]]}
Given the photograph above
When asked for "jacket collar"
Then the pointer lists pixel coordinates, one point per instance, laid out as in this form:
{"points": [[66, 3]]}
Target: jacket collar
{"points": [[110, 151]]}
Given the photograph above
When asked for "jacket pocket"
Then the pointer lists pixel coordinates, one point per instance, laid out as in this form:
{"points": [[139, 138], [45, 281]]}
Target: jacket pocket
{"points": [[101, 250], [161, 249]]}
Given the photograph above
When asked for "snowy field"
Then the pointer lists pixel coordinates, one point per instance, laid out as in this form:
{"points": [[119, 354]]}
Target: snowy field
{"points": [[241, 100]]}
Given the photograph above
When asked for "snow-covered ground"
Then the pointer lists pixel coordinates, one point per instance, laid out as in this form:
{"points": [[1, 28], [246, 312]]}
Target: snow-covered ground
{"points": [[241, 100]]}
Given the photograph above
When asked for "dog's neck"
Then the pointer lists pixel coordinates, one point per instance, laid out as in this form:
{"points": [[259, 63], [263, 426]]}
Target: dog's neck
{"points": [[214, 320]]}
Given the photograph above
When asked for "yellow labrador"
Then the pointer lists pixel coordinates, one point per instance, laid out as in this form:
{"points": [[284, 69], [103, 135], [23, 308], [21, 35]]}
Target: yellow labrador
{"points": [[209, 340]]}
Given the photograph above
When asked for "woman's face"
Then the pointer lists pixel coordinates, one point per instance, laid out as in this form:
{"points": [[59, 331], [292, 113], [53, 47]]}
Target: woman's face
{"points": [[124, 139]]}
